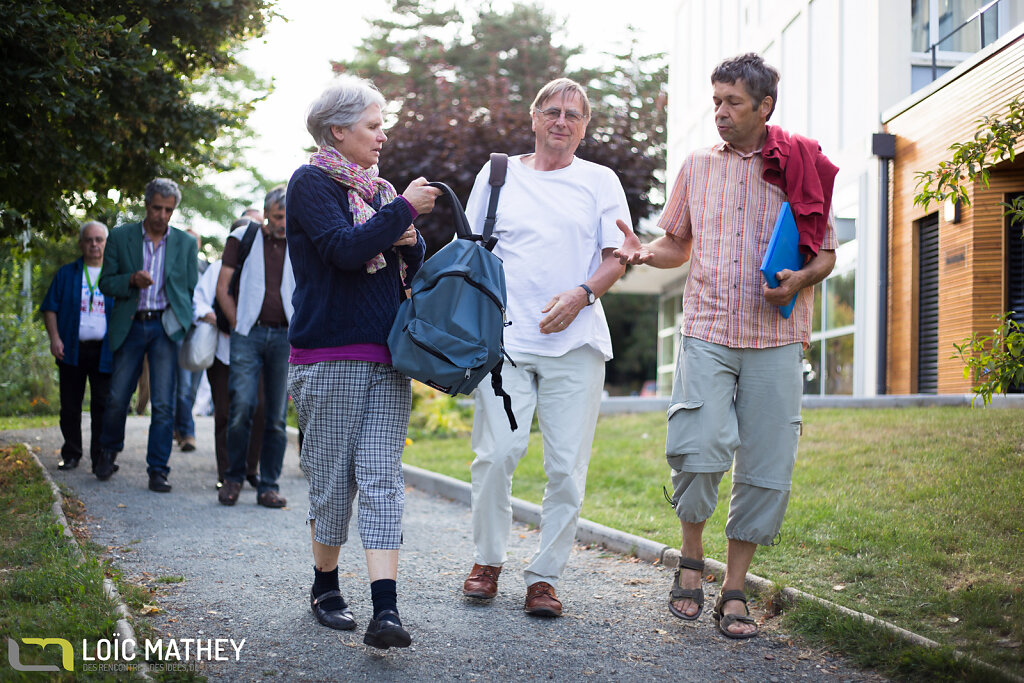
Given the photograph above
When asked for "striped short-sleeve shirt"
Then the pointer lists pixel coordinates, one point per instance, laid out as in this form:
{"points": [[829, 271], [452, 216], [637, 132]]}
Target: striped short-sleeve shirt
{"points": [[721, 202]]}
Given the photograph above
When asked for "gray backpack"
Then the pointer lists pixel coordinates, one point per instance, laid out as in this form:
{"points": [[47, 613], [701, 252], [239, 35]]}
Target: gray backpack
{"points": [[449, 333]]}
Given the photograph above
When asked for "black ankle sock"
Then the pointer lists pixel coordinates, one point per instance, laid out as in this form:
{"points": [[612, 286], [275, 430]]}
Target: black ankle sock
{"points": [[325, 582], [384, 593]]}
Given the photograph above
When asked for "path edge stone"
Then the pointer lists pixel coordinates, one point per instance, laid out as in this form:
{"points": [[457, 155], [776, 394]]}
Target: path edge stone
{"points": [[125, 633]]}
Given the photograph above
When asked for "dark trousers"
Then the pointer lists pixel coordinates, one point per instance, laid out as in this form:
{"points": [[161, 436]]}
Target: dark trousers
{"points": [[72, 393], [217, 374]]}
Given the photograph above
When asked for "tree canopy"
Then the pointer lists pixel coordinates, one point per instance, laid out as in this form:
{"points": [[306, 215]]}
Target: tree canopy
{"points": [[461, 83], [102, 96]]}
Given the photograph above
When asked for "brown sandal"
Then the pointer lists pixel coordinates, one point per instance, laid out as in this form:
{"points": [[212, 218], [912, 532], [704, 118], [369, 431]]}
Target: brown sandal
{"points": [[724, 621], [680, 593]]}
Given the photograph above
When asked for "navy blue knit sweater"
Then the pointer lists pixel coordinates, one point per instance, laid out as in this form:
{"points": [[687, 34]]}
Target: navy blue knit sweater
{"points": [[336, 301]]}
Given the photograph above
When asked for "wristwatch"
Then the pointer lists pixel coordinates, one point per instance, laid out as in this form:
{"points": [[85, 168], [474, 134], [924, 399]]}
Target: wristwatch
{"points": [[590, 294]]}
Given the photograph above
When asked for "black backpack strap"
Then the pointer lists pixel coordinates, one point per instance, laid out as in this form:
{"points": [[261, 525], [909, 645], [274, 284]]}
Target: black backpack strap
{"points": [[499, 169], [505, 398]]}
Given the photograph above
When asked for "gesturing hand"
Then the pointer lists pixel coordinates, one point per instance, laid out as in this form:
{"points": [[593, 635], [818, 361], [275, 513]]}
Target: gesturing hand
{"points": [[632, 252]]}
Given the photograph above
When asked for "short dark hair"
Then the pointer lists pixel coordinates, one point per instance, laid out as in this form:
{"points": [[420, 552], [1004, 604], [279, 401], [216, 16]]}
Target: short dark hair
{"points": [[760, 79], [276, 195]]}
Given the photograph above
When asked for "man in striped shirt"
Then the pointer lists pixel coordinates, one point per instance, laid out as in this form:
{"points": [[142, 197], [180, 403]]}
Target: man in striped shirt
{"points": [[738, 382]]}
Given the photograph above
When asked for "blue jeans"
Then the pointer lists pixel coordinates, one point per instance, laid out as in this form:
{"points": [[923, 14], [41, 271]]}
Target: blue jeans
{"points": [[184, 399], [145, 338], [263, 351]]}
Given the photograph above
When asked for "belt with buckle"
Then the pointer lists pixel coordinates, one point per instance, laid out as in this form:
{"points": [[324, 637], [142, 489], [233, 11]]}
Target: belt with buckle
{"points": [[272, 326], [148, 315]]}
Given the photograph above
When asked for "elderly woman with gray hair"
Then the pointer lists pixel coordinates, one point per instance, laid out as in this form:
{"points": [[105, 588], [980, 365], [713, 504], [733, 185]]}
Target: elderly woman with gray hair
{"points": [[354, 250]]}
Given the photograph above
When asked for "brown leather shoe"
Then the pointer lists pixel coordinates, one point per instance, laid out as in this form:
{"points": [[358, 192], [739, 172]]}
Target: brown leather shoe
{"points": [[482, 582], [271, 499], [228, 495], [541, 600]]}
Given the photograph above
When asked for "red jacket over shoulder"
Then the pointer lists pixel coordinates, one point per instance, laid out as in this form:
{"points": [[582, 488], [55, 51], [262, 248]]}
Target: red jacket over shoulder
{"points": [[796, 165]]}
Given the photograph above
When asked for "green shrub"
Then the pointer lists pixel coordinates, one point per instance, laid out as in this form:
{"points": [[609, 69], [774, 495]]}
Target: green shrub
{"points": [[437, 415], [28, 374]]}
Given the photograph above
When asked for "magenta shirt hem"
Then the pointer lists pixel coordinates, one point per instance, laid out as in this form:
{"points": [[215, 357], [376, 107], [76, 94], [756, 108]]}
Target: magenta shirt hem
{"points": [[415, 213], [372, 353]]}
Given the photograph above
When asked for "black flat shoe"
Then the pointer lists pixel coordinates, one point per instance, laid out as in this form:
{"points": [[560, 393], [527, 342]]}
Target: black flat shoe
{"points": [[158, 483], [386, 631], [105, 466], [339, 619], [68, 464]]}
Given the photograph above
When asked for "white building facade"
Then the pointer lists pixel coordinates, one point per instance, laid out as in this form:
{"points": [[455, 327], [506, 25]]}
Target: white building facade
{"points": [[842, 63]]}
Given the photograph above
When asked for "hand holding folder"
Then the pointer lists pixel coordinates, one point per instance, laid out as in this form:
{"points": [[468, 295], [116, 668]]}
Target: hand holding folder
{"points": [[783, 253]]}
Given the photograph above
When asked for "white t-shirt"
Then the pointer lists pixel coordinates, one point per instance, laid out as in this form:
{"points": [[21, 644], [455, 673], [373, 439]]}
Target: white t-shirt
{"points": [[92, 324], [551, 228]]}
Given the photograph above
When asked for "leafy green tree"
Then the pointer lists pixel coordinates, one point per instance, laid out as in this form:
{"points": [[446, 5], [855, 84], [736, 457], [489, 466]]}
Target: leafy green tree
{"points": [[102, 96], [461, 85]]}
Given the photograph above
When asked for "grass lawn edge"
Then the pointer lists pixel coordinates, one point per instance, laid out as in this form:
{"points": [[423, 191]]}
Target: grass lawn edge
{"points": [[125, 630], [927, 659]]}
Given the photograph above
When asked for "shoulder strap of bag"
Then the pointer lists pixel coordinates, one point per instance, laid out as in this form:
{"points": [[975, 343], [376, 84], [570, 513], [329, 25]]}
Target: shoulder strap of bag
{"points": [[499, 169], [500, 392], [244, 247]]}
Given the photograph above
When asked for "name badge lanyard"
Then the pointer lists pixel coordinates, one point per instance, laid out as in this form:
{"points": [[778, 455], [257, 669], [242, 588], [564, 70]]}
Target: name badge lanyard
{"points": [[92, 287]]}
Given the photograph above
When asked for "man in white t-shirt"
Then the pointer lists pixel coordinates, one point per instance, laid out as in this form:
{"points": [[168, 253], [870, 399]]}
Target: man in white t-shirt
{"points": [[556, 230], [75, 313]]}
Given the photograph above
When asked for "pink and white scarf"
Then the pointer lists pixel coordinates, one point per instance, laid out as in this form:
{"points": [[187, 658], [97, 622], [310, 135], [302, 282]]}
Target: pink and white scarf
{"points": [[363, 184]]}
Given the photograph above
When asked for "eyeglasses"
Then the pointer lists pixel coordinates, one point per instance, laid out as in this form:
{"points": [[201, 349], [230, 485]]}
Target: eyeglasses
{"points": [[553, 114]]}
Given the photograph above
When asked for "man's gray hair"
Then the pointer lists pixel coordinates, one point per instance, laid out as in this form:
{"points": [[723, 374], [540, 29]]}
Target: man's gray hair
{"points": [[275, 196], [561, 86], [83, 226], [341, 104], [760, 79], [165, 187]]}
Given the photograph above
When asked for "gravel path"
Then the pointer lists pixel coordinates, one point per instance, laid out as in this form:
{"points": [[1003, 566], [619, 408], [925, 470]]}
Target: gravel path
{"points": [[247, 572]]}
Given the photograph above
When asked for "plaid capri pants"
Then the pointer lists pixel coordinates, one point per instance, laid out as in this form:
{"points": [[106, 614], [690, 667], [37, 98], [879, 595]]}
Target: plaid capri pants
{"points": [[353, 416]]}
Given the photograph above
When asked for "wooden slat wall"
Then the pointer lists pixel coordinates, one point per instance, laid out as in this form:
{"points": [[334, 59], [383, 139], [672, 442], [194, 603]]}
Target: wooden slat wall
{"points": [[971, 253]]}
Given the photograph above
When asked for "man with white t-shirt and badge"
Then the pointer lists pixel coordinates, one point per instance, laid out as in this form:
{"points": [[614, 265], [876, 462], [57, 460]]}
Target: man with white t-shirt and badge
{"points": [[75, 313], [556, 230]]}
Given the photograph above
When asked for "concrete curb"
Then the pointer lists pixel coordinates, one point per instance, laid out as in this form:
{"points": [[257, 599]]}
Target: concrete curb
{"points": [[659, 404], [591, 533], [125, 633]]}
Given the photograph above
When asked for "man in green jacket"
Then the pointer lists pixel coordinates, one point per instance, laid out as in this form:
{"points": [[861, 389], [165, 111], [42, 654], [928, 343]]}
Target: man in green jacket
{"points": [[150, 270]]}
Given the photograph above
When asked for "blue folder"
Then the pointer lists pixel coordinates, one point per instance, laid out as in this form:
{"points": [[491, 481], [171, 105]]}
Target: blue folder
{"points": [[783, 253]]}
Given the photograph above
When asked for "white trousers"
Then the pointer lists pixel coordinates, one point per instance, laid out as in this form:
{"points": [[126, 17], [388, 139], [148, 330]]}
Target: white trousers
{"points": [[565, 391]]}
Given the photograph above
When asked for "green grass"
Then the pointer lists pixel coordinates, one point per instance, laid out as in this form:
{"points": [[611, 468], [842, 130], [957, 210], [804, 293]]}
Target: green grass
{"points": [[46, 591], [171, 579], [28, 421], [918, 513]]}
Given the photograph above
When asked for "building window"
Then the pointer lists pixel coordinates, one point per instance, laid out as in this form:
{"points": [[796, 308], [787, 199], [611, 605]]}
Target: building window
{"points": [[948, 15], [932, 21], [1014, 277], [928, 304], [828, 361]]}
